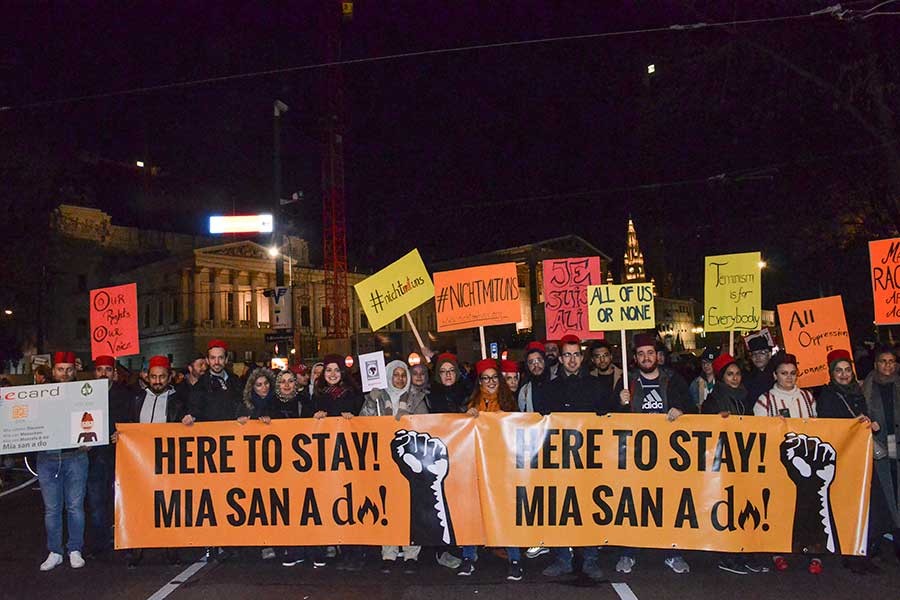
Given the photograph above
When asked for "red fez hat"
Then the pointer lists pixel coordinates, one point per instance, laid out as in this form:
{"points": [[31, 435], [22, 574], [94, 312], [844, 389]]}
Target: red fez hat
{"points": [[484, 364], [87, 417], [535, 347], [64, 358], [217, 344], [509, 366], [445, 357], [300, 369], [836, 355], [644, 339], [721, 363], [570, 338], [104, 361], [158, 361]]}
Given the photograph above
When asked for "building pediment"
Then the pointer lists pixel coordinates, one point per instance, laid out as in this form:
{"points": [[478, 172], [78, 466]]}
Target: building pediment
{"points": [[236, 250]]}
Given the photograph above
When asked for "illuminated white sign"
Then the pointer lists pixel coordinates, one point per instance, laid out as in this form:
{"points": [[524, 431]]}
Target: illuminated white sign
{"points": [[241, 224]]}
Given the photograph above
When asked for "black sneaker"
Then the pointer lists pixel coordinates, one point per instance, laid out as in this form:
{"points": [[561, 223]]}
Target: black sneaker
{"points": [[410, 567], [466, 568], [515, 571], [732, 565], [386, 566]]}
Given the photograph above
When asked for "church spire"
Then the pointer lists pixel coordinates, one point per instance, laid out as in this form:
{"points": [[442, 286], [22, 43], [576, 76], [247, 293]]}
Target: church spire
{"points": [[633, 268]]}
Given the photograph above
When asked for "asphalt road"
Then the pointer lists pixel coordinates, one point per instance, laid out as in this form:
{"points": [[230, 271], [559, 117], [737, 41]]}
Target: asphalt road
{"points": [[246, 575]]}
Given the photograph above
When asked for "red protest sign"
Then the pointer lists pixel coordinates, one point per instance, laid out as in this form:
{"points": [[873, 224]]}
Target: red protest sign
{"points": [[114, 321], [884, 259], [565, 295]]}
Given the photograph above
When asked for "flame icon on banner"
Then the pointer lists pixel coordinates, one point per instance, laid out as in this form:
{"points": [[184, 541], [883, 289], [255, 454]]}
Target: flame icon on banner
{"points": [[750, 513]]}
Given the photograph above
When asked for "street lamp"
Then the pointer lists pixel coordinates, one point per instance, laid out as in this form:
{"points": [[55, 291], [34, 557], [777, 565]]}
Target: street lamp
{"points": [[273, 251], [8, 312]]}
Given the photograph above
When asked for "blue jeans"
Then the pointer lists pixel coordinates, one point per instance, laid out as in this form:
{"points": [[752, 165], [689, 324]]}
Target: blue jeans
{"points": [[564, 555], [471, 553], [63, 480]]}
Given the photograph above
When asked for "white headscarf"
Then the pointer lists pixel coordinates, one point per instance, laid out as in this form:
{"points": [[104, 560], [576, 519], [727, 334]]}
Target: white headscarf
{"points": [[395, 392]]}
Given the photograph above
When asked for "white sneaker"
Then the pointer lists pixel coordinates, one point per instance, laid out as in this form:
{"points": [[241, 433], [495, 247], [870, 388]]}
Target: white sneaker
{"points": [[268, 553], [678, 564], [76, 560], [53, 561], [625, 564], [536, 551]]}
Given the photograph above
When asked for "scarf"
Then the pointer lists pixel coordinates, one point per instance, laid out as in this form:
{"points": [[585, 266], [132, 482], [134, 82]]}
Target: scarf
{"points": [[334, 391], [394, 392], [488, 402]]}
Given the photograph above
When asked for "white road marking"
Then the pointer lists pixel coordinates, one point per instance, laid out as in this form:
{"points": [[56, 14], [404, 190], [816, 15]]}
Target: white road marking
{"points": [[624, 591], [182, 577], [18, 487]]}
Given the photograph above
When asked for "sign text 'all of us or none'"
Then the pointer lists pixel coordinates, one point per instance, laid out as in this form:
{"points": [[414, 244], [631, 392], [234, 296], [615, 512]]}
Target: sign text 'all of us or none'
{"points": [[114, 321], [884, 258], [618, 307]]}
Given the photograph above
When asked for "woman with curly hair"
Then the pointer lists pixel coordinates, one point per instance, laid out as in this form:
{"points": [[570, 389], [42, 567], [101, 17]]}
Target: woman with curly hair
{"points": [[259, 394]]}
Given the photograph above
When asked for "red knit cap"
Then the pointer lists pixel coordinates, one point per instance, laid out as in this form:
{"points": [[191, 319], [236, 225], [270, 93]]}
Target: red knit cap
{"points": [[486, 363], [104, 361], [839, 354], [644, 339], [217, 344], [158, 361], [509, 366], [445, 357], [535, 347], [721, 363], [67, 358]]}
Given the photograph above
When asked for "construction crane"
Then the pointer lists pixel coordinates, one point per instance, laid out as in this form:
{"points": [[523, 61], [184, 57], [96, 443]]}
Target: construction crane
{"points": [[334, 222]]}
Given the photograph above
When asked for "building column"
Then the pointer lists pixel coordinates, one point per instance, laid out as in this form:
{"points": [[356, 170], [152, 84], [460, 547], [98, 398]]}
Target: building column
{"points": [[217, 297], [236, 298], [254, 301], [199, 310], [185, 291]]}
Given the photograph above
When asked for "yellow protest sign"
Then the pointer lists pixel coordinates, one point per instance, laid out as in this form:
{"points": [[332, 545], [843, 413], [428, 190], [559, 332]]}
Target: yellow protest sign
{"points": [[733, 296], [395, 290], [618, 307]]}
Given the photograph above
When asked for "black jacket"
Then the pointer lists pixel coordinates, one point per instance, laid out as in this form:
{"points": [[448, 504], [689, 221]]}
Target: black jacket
{"points": [[831, 404], [758, 383], [348, 401], [718, 402], [442, 399], [174, 406], [210, 402], [576, 393]]}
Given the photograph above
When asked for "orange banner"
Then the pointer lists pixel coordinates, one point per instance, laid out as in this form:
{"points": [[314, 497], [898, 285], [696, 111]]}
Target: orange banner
{"points": [[884, 258], [114, 321], [811, 329], [477, 296], [741, 484]]}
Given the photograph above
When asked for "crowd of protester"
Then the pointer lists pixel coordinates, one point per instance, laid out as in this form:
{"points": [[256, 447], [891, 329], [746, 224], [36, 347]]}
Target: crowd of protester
{"points": [[565, 375]]}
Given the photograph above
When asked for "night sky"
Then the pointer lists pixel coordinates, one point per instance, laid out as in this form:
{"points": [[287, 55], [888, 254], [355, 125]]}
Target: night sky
{"points": [[779, 136]]}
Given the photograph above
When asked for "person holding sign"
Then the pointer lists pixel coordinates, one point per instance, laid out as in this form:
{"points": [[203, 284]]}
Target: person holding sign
{"points": [[574, 390], [63, 477], [380, 402], [491, 395], [786, 398], [843, 398], [653, 391], [882, 392]]}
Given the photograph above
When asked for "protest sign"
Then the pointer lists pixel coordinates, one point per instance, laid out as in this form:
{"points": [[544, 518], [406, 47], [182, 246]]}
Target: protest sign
{"points": [[372, 369], [114, 321], [54, 416], [395, 290], [811, 329], [505, 479], [565, 300], [477, 297], [884, 259], [733, 296], [620, 307]]}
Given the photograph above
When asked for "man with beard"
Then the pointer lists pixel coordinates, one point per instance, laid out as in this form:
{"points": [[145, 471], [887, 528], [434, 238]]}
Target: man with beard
{"points": [[63, 477], [194, 371], [653, 390], [531, 393], [159, 403], [218, 393], [602, 366], [574, 390], [759, 379], [551, 354], [102, 469]]}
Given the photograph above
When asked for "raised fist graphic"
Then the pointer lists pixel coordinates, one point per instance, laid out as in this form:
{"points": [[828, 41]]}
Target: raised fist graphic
{"points": [[811, 464], [424, 462]]}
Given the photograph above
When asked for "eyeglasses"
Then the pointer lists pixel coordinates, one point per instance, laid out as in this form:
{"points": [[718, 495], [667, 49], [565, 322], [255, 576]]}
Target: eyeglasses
{"points": [[535, 361], [566, 355], [487, 378]]}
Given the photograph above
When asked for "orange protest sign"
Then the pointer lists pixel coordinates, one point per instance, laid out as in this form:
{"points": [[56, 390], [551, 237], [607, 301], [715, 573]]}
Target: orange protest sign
{"points": [[741, 484], [811, 329], [114, 321], [884, 259], [477, 297]]}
